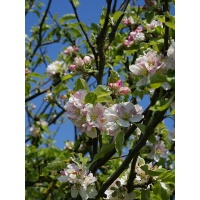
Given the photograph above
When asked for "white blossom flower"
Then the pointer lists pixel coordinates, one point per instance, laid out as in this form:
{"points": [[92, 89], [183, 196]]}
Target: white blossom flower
{"points": [[149, 63], [154, 24], [121, 115], [158, 151], [57, 67], [82, 182]]}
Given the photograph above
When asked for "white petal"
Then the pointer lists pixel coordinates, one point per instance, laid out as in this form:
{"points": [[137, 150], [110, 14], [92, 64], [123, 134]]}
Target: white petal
{"points": [[123, 123], [135, 69], [74, 192], [136, 118]]}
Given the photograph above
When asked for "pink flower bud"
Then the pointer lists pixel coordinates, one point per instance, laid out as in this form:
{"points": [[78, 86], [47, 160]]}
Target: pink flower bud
{"points": [[127, 43], [69, 50], [73, 68], [78, 62], [87, 60], [124, 90], [75, 48], [27, 71]]}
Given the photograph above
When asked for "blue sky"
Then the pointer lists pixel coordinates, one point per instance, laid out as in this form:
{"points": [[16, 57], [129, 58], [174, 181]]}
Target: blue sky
{"points": [[89, 12]]}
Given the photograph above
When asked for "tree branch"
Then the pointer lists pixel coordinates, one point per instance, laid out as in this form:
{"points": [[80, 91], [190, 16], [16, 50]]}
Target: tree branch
{"points": [[85, 34], [149, 131]]}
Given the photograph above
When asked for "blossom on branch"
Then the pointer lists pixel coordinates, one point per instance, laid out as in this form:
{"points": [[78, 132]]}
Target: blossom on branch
{"points": [[56, 68], [148, 64], [82, 181]]}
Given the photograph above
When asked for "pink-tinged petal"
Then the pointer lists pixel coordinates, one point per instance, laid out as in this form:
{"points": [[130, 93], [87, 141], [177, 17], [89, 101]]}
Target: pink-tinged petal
{"points": [[123, 123], [135, 69], [136, 118]]}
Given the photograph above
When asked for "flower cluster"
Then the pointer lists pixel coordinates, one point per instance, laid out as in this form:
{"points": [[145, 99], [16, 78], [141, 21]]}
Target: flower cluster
{"points": [[88, 117], [79, 63], [128, 21], [158, 150], [118, 89], [121, 115], [148, 64], [38, 126], [56, 69], [82, 181], [154, 24], [136, 35], [70, 50]]}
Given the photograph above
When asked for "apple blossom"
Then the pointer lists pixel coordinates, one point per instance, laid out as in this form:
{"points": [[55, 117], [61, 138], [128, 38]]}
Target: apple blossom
{"points": [[148, 64], [128, 21], [57, 67], [87, 60], [158, 150], [121, 115], [78, 61], [154, 24], [70, 50], [82, 181], [73, 68]]}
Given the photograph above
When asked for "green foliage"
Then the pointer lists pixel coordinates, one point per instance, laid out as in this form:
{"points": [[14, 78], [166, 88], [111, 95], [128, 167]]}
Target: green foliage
{"points": [[42, 165], [114, 77], [119, 141], [80, 84], [91, 97], [103, 151], [103, 94]]}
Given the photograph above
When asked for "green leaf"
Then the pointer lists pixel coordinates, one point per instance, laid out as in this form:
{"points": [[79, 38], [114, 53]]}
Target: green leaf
{"points": [[145, 194], [57, 164], [76, 3], [114, 77], [167, 177], [152, 172], [142, 127], [59, 88], [157, 78], [117, 15], [103, 93], [27, 89], [104, 150], [149, 16], [82, 159], [119, 141], [91, 97], [80, 84], [66, 77], [68, 17], [170, 25], [161, 190], [162, 104]]}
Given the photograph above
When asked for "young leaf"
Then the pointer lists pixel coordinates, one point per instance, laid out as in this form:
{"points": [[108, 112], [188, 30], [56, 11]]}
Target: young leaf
{"points": [[162, 104], [104, 150], [103, 94], [57, 164], [81, 84], [119, 141], [145, 194], [114, 77], [91, 97], [117, 15], [66, 77]]}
